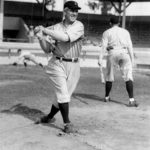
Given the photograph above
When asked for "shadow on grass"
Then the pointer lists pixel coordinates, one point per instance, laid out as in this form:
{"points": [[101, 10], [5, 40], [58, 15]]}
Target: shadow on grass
{"points": [[82, 96], [29, 113], [117, 102]]}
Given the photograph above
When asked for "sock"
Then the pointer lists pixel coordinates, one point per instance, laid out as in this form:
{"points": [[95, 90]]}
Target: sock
{"points": [[129, 88], [53, 112], [108, 87], [25, 64], [64, 109], [107, 98], [131, 99]]}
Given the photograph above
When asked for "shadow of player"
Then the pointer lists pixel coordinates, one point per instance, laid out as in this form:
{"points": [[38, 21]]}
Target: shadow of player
{"points": [[29, 113]]}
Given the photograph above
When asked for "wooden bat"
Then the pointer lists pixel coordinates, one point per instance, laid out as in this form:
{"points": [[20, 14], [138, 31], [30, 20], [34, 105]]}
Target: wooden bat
{"points": [[102, 74]]}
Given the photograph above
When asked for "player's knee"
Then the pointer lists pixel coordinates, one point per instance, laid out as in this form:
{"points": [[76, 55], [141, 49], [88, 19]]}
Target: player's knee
{"points": [[56, 104], [128, 79]]}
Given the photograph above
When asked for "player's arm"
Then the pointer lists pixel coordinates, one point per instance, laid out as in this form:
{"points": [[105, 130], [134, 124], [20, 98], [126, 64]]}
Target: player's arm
{"points": [[72, 34], [130, 49], [103, 49], [101, 55], [57, 35], [44, 44], [42, 39], [46, 41], [76, 32]]}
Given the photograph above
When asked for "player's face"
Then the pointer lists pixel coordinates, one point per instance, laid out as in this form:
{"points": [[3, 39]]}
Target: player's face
{"points": [[71, 15], [19, 52]]}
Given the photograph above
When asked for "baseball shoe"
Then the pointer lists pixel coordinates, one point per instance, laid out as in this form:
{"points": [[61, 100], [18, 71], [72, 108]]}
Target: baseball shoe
{"points": [[14, 64], [68, 128], [106, 99], [41, 65], [25, 64], [45, 119], [133, 104]]}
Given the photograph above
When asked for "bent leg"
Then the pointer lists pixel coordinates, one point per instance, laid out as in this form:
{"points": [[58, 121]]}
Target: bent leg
{"points": [[62, 96], [34, 59]]}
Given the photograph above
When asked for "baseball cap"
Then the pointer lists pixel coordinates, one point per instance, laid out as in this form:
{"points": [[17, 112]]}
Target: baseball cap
{"points": [[114, 19], [72, 5]]}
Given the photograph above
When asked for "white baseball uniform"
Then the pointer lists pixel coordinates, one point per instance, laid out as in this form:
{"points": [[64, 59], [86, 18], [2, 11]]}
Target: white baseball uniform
{"points": [[65, 74], [117, 42], [26, 56]]}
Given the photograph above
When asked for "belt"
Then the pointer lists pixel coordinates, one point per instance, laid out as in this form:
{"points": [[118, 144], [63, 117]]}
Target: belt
{"points": [[111, 48], [67, 59]]}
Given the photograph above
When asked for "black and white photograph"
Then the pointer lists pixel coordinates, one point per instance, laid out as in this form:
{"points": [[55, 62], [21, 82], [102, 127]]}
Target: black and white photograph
{"points": [[74, 74]]}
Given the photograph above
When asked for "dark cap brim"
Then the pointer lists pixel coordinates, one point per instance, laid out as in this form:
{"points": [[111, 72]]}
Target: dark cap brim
{"points": [[74, 8]]}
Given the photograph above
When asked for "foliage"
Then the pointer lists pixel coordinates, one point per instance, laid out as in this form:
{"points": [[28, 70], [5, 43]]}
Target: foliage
{"points": [[107, 5], [50, 4], [95, 5]]}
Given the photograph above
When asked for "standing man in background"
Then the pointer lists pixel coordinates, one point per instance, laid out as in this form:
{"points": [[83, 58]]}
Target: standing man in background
{"points": [[31, 34], [117, 42], [63, 68]]}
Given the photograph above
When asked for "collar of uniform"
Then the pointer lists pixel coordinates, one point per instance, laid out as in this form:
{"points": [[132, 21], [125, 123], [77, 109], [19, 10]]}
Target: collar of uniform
{"points": [[63, 22]]}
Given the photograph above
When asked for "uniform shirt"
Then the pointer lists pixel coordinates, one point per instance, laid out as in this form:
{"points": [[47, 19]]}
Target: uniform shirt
{"points": [[116, 37], [25, 55], [31, 33], [72, 48]]}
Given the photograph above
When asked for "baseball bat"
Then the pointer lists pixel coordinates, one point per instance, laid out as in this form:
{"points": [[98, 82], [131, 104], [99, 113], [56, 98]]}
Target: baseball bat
{"points": [[102, 75]]}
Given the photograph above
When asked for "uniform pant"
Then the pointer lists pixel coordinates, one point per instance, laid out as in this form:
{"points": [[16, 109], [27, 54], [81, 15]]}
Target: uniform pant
{"points": [[121, 59], [64, 77]]}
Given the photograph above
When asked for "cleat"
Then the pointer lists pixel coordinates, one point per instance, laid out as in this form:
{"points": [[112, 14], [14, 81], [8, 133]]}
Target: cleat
{"points": [[41, 65], [25, 64], [133, 104], [106, 99], [68, 128], [45, 119]]}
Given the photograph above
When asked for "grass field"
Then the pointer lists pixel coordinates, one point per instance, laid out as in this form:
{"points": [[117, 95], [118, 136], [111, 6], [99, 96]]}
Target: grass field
{"points": [[26, 94]]}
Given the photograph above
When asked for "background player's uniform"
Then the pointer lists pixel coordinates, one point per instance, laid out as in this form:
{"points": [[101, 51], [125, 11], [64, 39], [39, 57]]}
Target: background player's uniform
{"points": [[117, 41], [26, 56]]}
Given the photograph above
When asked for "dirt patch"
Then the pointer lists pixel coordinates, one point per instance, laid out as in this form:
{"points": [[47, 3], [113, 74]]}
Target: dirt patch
{"points": [[101, 126], [14, 82]]}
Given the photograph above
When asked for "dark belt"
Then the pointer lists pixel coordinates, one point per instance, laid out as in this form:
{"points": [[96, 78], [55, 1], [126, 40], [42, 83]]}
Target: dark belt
{"points": [[67, 59], [110, 48]]}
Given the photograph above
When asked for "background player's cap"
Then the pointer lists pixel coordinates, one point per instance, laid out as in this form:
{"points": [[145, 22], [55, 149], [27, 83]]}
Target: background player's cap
{"points": [[72, 5], [114, 19], [19, 50]]}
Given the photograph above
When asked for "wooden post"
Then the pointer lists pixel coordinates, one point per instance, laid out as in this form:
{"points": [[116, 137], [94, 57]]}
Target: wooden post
{"points": [[124, 14], [64, 1], [1, 19]]}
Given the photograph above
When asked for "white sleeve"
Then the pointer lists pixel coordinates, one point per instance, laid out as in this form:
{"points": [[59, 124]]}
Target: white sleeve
{"points": [[75, 32], [130, 45], [104, 41]]}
